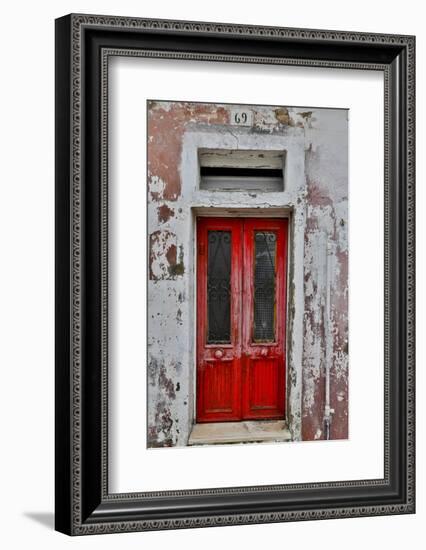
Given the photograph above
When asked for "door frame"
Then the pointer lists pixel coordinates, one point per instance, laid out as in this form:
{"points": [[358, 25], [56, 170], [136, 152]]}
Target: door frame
{"points": [[290, 202], [265, 213]]}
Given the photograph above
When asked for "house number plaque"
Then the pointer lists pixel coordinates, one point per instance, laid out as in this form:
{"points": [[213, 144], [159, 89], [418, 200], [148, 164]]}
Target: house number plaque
{"points": [[241, 117]]}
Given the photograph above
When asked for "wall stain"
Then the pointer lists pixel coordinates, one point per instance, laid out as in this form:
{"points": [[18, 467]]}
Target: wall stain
{"points": [[165, 213], [176, 268], [164, 262]]}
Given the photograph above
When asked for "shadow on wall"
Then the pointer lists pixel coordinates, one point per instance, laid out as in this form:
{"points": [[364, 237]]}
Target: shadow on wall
{"points": [[47, 519]]}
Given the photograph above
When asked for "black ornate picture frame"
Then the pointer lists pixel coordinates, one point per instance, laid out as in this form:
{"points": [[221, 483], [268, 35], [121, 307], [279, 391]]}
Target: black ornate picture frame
{"points": [[84, 43]]}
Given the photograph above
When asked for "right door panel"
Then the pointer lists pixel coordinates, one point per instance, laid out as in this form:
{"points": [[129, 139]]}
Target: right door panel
{"points": [[264, 318]]}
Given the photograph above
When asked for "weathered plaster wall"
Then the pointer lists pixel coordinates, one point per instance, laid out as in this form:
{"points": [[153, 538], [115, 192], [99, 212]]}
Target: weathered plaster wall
{"points": [[319, 141], [326, 166]]}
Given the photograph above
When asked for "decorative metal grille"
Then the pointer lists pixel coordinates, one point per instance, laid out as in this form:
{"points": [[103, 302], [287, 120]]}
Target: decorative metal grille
{"points": [[219, 287], [264, 286]]}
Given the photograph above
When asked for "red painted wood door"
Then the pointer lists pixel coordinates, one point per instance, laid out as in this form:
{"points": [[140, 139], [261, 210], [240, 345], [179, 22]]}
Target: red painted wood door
{"points": [[241, 318]]}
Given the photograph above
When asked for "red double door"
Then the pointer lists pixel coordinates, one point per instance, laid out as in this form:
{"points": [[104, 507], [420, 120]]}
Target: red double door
{"points": [[241, 318]]}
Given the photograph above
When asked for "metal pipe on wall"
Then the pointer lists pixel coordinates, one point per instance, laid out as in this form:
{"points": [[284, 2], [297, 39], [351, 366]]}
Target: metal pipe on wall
{"points": [[328, 411]]}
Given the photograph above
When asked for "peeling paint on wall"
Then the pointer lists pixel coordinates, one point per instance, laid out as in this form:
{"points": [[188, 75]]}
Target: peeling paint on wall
{"points": [[327, 204], [164, 260], [166, 124], [165, 213]]}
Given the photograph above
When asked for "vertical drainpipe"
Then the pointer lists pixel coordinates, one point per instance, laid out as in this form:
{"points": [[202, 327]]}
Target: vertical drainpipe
{"points": [[328, 412]]}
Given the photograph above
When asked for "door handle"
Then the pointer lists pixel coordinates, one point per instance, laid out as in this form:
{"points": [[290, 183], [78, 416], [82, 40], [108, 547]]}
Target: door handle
{"points": [[218, 354]]}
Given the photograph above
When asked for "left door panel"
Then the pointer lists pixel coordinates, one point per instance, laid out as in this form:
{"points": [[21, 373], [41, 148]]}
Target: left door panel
{"points": [[218, 319]]}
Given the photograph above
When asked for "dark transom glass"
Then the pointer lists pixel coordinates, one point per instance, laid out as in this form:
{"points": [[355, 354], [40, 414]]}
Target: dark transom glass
{"points": [[264, 286], [219, 287]]}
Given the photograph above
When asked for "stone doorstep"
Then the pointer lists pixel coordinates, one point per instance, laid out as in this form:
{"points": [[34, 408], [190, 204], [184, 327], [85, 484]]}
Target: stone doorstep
{"points": [[258, 431]]}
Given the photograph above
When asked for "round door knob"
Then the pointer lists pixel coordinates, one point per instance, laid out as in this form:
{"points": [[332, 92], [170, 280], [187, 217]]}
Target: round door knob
{"points": [[218, 354], [264, 352]]}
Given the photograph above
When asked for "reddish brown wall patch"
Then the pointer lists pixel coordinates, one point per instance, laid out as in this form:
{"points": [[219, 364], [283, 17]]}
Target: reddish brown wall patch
{"points": [[165, 213]]}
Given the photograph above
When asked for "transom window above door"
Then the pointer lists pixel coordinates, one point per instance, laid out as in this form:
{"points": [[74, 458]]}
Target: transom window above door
{"points": [[241, 170]]}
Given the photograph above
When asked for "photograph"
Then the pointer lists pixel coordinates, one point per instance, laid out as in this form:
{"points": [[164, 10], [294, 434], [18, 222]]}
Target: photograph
{"points": [[248, 254]]}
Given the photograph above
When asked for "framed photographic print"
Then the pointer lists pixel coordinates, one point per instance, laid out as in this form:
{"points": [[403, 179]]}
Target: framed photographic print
{"points": [[234, 274]]}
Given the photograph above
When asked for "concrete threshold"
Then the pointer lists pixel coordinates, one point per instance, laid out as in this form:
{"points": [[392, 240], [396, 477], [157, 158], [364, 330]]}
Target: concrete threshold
{"points": [[258, 431]]}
